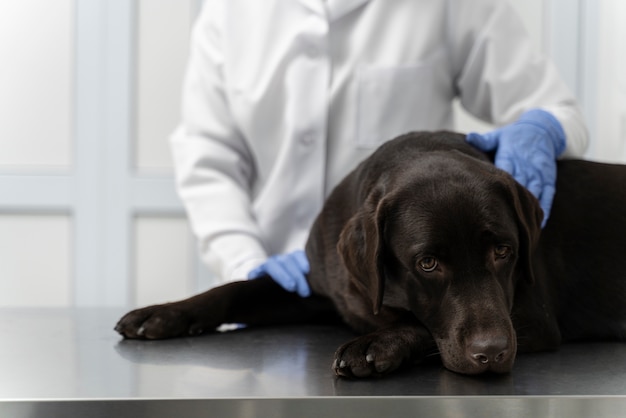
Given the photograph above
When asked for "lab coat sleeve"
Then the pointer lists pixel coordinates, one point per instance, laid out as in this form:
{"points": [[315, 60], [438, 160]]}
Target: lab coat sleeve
{"points": [[214, 168], [499, 74]]}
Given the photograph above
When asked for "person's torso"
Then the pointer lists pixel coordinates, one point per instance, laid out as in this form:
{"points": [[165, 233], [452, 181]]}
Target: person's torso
{"points": [[316, 86]]}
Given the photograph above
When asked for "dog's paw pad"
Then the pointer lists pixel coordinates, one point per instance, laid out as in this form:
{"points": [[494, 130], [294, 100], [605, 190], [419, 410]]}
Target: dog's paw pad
{"points": [[195, 330], [370, 355], [153, 322], [352, 361]]}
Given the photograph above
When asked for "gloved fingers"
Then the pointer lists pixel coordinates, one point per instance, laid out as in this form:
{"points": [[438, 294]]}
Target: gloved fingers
{"points": [[297, 265], [257, 272], [484, 142], [271, 267], [547, 197], [288, 270], [302, 287], [505, 164], [277, 271], [545, 164], [527, 149], [277, 262], [295, 268], [513, 166], [536, 185], [302, 261], [521, 177]]}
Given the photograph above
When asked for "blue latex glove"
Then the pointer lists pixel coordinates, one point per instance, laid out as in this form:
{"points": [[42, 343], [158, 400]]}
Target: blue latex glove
{"points": [[288, 270], [528, 149]]}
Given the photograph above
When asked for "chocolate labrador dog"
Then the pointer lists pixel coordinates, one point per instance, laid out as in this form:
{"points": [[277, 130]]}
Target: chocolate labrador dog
{"points": [[427, 248]]}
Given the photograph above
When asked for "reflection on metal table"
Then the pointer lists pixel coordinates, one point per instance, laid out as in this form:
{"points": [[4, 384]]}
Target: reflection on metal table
{"points": [[69, 362]]}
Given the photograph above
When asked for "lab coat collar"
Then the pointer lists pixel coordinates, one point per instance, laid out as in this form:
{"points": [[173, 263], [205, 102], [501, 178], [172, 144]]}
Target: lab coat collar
{"points": [[316, 6], [336, 8], [340, 8]]}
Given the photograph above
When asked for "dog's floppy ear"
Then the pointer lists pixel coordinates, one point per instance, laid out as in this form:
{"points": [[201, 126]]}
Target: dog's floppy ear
{"points": [[529, 216], [361, 247]]}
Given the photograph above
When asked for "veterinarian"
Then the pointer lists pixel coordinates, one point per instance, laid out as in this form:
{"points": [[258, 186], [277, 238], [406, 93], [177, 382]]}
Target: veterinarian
{"points": [[283, 98]]}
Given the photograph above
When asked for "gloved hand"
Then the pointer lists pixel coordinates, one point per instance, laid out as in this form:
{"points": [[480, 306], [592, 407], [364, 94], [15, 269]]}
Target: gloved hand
{"points": [[528, 149], [288, 270]]}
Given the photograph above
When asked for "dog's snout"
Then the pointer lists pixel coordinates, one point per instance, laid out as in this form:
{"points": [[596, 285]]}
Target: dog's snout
{"points": [[489, 351]]}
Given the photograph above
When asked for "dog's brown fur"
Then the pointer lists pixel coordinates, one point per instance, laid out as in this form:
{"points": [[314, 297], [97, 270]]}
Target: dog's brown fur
{"points": [[427, 247]]}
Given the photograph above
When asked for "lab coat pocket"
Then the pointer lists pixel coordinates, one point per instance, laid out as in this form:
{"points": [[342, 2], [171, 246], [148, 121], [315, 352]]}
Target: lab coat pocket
{"points": [[392, 101]]}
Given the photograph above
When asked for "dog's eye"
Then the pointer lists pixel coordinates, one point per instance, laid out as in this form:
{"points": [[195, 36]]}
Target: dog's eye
{"points": [[428, 264], [502, 251]]}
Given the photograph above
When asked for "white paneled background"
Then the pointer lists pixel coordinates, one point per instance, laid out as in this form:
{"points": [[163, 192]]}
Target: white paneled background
{"points": [[36, 78], [36, 260], [163, 38], [609, 75], [89, 93]]}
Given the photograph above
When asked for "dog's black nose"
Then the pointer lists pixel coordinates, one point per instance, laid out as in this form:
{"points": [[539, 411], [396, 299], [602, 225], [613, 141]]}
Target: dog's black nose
{"points": [[489, 350]]}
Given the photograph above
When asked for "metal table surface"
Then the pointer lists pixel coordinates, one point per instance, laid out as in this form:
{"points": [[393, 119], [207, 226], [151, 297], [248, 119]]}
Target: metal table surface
{"points": [[69, 362]]}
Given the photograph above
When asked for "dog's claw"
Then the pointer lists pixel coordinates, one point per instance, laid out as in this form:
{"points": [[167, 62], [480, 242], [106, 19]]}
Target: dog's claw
{"points": [[375, 354], [383, 367], [157, 322], [195, 331], [340, 367]]}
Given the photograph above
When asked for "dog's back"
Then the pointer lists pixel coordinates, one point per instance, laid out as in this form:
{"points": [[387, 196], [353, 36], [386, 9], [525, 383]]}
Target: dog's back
{"points": [[582, 251], [580, 261], [427, 248]]}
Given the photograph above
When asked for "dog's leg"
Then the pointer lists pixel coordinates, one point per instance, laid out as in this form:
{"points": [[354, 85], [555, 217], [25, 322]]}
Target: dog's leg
{"points": [[383, 351], [253, 302]]}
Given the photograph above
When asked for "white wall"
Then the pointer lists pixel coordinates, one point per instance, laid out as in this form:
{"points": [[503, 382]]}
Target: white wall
{"points": [[587, 41], [162, 45], [606, 63], [35, 139], [35, 254], [36, 83], [88, 211]]}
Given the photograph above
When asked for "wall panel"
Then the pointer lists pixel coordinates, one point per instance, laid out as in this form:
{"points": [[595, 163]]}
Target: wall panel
{"points": [[163, 260], [162, 47], [36, 52], [35, 254], [609, 136]]}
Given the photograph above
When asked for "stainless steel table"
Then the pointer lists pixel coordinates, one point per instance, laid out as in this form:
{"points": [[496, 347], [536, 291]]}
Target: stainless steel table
{"points": [[64, 363]]}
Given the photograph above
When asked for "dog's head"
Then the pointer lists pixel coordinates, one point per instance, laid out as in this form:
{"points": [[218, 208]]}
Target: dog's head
{"points": [[448, 240]]}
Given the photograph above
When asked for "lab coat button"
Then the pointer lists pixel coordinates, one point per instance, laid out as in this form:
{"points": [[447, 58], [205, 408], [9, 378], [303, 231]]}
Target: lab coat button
{"points": [[308, 139], [313, 51]]}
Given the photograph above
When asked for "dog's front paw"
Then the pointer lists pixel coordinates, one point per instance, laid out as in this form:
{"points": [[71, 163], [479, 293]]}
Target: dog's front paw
{"points": [[158, 322], [374, 354]]}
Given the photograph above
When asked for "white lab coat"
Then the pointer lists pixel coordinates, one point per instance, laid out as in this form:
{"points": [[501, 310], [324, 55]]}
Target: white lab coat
{"points": [[282, 98]]}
